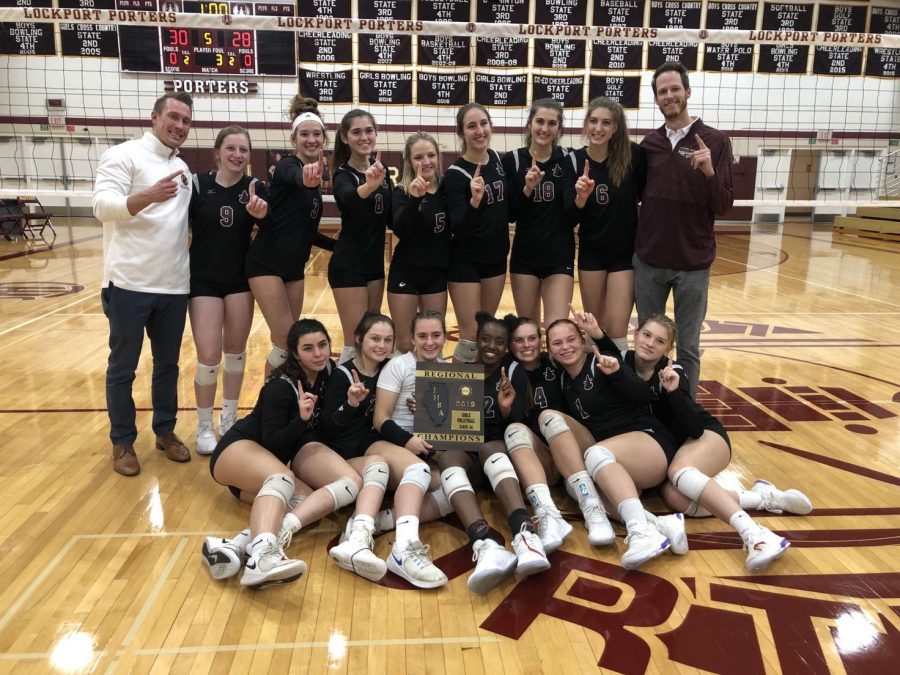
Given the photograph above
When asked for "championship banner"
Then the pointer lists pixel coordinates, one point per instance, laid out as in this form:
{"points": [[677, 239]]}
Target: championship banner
{"points": [[450, 405]]}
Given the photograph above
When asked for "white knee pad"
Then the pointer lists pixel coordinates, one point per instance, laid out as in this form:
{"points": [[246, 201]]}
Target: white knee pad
{"points": [[343, 491], [552, 425], [206, 375], [234, 363], [465, 351], [498, 468], [455, 480], [417, 474], [517, 436], [596, 458], [690, 482], [376, 475], [277, 356], [279, 485]]}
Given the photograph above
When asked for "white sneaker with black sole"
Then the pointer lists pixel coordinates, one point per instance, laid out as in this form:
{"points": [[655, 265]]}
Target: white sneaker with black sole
{"points": [[781, 501], [222, 558], [415, 565], [355, 553], [493, 563], [271, 566], [530, 555], [644, 543]]}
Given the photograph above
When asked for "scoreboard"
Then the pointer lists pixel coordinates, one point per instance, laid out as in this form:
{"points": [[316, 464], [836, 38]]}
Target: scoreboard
{"points": [[208, 51]]}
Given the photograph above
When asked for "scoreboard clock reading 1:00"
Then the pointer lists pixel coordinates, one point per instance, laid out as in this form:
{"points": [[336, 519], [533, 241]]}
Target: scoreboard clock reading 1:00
{"points": [[208, 50]]}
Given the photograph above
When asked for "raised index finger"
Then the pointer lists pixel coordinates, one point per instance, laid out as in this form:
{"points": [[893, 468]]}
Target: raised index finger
{"points": [[355, 377], [587, 168], [503, 373], [669, 362], [172, 176], [252, 189], [378, 157], [701, 143], [321, 161], [477, 171], [300, 387]]}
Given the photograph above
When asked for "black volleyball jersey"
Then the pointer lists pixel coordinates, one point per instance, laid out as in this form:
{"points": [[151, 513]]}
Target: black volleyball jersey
{"points": [[221, 228], [607, 405], [283, 244], [494, 423], [544, 237], [275, 421], [422, 225], [678, 412], [342, 426], [608, 221], [360, 245], [546, 392], [479, 235]]}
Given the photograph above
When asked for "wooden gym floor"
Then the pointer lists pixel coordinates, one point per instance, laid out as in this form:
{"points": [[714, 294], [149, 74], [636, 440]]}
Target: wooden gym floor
{"points": [[801, 361]]}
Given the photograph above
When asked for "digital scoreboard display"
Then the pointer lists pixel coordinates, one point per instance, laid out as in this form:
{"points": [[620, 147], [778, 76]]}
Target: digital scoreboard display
{"points": [[209, 51]]}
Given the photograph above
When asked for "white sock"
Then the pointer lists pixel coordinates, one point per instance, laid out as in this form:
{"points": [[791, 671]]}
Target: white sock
{"points": [[621, 343], [445, 508], [241, 539], [204, 416], [261, 541], [539, 496], [580, 486], [363, 518], [743, 524], [748, 499], [347, 354], [292, 523], [407, 531], [632, 512], [229, 407]]}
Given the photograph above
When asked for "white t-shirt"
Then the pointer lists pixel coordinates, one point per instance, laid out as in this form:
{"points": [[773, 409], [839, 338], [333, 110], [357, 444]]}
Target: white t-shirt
{"points": [[399, 376]]}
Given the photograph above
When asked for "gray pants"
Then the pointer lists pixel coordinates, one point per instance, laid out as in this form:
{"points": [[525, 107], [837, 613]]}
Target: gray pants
{"points": [[690, 290]]}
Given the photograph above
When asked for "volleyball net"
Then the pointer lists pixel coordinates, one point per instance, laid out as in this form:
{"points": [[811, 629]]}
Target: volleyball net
{"points": [[807, 92]]}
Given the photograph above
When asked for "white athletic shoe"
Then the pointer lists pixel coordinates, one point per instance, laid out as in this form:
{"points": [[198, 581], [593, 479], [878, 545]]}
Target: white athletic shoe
{"points": [[493, 564], [530, 555], [600, 531], [414, 564], [644, 543], [355, 553], [222, 558], [672, 527], [384, 521], [206, 439], [763, 548], [552, 528], [226, 422], [779, 501], [271, 566]]}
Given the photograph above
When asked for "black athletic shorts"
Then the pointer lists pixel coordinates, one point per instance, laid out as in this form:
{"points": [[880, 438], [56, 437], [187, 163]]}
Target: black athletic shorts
{"points": [[254, 268], [349, 453], [590, 261], [655, 430], [411, 280], [233, 435], [210, 289], [464, 271], [341, 278], [714, 426], [541, 272]]}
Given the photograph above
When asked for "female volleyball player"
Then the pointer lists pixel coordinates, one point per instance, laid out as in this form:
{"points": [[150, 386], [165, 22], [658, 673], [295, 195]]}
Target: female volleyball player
{"points": [[541, 266], [362, 191], [612, 172], [225, 204], [417, 279], [476, 191], [505, 399], [704, 450], [281, 248], [631, 450]]}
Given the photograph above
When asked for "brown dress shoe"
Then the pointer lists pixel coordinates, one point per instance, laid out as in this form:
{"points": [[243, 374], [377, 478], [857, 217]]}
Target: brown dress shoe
{"points": [[125, 461], [173, 447]]}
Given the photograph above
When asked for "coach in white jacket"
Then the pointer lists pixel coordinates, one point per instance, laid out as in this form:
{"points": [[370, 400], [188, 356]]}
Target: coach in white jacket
{"points": [[141, 196]]}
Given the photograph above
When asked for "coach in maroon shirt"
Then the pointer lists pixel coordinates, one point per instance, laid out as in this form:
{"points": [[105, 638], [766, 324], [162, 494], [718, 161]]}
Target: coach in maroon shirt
{"points": [[689, 183]]}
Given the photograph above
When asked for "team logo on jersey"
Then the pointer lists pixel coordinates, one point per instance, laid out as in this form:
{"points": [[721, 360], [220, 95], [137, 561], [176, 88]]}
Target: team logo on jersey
{"points": [[588, 382], [557, 171], [686, 152], [549, 374], [184, 181], [500, 171], [244, 197]]}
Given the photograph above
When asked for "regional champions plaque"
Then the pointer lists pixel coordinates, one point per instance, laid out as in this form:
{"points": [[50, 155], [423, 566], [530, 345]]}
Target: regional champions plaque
{"points": [[449, 405]]}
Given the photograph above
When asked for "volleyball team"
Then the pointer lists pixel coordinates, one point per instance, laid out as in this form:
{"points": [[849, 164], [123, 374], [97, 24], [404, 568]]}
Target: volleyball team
{"points": [[565, 400]]}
